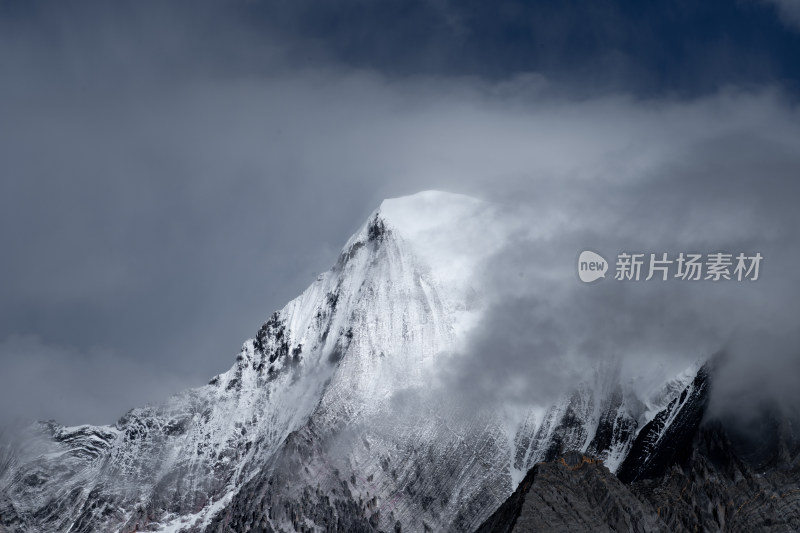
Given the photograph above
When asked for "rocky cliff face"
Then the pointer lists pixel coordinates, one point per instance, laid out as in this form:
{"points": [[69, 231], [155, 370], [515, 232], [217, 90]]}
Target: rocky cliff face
{"points": [[694, 478], [325, 422], [717, 488], [572, 495]]}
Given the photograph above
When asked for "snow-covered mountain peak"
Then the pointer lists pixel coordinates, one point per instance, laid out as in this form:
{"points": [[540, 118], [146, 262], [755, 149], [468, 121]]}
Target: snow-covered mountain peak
{"points": [[418, 215], [335, 370], [450, 234]]}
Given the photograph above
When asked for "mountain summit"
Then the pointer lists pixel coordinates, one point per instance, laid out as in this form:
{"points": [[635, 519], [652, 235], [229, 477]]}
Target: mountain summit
{"points": [[326, 420]]}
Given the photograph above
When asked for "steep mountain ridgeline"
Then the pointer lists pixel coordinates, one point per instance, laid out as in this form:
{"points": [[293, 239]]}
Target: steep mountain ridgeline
{"points": [[683, 474]]}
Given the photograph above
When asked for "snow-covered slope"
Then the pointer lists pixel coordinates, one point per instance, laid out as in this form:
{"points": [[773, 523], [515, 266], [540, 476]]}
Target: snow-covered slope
{"points": [[325, 421]]}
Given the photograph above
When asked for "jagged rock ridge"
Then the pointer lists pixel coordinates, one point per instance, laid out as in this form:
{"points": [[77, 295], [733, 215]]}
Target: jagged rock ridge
{"points": [[691, 477]]}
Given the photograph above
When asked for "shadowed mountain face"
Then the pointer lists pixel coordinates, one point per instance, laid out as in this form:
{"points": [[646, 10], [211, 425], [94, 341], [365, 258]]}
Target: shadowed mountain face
{"points": [[707, 484], [572, 496]]}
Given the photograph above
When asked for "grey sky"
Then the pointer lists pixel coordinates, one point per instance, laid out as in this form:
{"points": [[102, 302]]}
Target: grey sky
{"points": [[170, 176]]}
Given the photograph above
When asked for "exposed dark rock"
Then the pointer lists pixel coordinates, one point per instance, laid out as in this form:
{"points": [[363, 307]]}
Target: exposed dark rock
{"points": [[615, 426], [573, 494], [271, 338], [710, 488], [715, 489], [681, 475], [376, 229], [668, 437]]}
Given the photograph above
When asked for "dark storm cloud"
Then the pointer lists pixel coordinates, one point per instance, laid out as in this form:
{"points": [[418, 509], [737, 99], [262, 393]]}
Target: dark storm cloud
{"points": [[173, 172], [683, 46]]}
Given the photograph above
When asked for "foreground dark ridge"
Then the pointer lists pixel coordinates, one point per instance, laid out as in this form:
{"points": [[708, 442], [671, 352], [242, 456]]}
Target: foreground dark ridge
{"points": [[712, 489]]}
